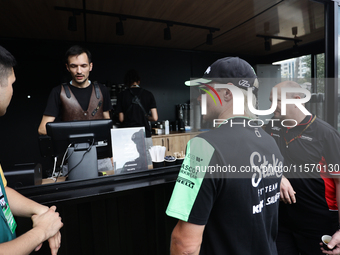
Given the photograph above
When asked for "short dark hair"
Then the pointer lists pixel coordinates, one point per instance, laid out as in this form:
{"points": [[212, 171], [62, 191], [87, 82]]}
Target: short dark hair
{"points": [[76, 50], [130, 77], [7, 61]]}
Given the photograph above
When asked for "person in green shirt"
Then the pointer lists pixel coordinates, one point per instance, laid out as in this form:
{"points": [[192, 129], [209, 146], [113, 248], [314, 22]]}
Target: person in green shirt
{"points": [[46, 221]]}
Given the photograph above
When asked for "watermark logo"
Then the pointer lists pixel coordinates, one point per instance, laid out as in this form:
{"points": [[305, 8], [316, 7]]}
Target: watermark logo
{"points": [[238, 102], [208, 92], [255, 123]]}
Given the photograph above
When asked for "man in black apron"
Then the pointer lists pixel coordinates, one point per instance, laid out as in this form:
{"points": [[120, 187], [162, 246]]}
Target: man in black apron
{"points": [[80, 99]]}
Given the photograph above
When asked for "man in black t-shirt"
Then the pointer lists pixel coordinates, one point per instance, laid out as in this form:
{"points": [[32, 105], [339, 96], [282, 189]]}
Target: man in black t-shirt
{"points": [[134, 106], [310, 189], [80, 99], [130, 112], [227, 191]]}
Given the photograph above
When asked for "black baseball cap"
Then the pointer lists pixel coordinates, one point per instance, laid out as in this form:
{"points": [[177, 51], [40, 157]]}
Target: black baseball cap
{"points": [[228, 70]]}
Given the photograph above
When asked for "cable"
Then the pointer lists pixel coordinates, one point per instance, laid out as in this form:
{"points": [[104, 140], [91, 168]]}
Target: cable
{"points": [[54, 167], [88, 149], [62, 162]]}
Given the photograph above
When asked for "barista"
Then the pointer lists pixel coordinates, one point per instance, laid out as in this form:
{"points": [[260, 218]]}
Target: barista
{"points": [[135, 103], [80, 99]]}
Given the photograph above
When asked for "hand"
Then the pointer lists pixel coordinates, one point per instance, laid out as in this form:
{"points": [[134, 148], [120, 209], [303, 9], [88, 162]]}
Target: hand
{"points": [[287, 193], [335, 242], [54, 243], [49, 222], [334, 252]]}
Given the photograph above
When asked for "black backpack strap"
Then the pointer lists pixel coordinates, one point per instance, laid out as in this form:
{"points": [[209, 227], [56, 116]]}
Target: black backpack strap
{"points": [[96, 89], [67, 90], [136, 100]]}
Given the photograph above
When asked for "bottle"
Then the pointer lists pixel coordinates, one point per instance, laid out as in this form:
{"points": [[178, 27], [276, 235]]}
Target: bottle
{"points": [[166, 127]]}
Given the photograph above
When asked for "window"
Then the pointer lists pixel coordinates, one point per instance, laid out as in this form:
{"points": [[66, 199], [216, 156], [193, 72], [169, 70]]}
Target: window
{"points": [[300, 71]]}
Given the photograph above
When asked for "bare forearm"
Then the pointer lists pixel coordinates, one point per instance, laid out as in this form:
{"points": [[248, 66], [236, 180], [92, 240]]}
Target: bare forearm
{"points": [[154, 115], [44, 121], [186, 239], [178, 248], [23, 244], [121, 117], [22, 206], [106, 115]]}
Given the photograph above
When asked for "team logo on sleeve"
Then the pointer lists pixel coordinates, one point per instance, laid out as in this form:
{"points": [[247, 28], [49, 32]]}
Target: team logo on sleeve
{"points": [[186, 182]]}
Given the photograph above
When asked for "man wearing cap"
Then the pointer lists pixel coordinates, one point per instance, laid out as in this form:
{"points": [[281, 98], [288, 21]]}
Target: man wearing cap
{"points": [[227, 191], [311, 189]]}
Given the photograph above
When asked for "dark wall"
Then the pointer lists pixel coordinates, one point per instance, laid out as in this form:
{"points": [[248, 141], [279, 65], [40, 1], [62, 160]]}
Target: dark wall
{"points": [[41, 67]]}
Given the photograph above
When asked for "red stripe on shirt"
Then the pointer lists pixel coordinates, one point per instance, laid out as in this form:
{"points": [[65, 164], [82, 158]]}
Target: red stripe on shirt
{"points": [[330, 189]]}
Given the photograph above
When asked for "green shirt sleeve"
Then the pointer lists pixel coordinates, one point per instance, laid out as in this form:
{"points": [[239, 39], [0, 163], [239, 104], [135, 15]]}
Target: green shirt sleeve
{"points": [[198, 155]]}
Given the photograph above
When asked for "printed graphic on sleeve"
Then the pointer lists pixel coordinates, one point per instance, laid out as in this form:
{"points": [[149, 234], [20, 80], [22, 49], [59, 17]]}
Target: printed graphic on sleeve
{"points": [[199, 153]]}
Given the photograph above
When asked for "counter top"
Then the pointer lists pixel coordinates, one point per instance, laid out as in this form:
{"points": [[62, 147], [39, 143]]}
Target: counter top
{"points": [[177, 133], [76, 189]]}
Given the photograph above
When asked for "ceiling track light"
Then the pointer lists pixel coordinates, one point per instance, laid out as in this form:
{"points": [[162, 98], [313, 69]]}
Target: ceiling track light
{"points": [[167, 32], [295, 50], [294, 31], [72, 23], [119, 27], [267, 39], [209, 38], [267, 44]]}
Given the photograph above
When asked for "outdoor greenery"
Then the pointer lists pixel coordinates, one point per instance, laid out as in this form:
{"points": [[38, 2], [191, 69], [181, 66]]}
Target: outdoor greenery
{"points": [[320, 71]]}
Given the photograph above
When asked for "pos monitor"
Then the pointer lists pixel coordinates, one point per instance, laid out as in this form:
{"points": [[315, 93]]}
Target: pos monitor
{"points": [[84, 142]]}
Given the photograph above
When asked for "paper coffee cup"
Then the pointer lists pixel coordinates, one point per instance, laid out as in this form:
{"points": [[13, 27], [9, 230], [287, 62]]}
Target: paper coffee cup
{"points": [[325, 240]]}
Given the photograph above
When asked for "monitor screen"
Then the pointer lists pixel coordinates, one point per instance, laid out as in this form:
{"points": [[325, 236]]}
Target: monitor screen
{"points": [[62, 134]]}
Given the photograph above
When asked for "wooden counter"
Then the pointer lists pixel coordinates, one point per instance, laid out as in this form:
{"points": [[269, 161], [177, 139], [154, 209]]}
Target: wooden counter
{"points": [[174, 142], [177, 133]]}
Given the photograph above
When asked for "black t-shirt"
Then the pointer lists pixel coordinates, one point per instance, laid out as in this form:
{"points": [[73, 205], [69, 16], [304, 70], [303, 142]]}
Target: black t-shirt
{"points": [[133, 113], [83, 95], [238, 207], [310, 159]]}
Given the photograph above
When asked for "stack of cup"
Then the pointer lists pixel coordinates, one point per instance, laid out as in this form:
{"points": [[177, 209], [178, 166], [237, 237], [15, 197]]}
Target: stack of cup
{"points": [[157, 155]]}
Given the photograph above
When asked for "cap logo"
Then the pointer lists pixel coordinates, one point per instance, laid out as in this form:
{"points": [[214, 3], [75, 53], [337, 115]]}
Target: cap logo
{"points": [[244, 83], [208, 70]]}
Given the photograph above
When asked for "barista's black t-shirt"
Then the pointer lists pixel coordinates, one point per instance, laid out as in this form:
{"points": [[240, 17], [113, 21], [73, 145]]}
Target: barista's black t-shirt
{"points": [[133, 113], [312, 160], [217, 188], [83, 95]]}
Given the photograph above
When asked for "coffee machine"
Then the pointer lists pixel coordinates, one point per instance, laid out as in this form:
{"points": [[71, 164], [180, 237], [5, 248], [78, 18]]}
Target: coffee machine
{"points": [[188, 116], [183, 116]]}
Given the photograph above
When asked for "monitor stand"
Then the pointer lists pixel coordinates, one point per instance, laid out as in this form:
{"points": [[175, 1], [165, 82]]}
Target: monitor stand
{"points": [[84, 166]]}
